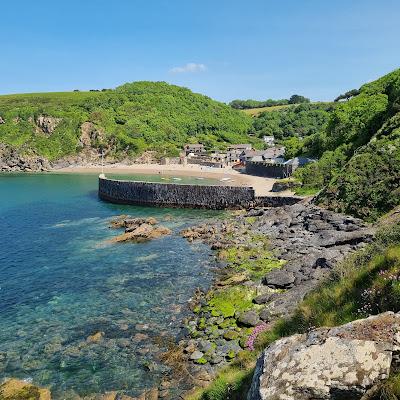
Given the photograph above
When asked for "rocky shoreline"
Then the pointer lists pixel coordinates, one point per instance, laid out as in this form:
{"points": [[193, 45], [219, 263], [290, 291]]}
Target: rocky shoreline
{"points": [[268, 260], [12, 160]]}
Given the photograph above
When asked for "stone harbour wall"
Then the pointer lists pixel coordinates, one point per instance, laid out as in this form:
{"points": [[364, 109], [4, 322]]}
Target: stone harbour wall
{"points": [[176, 195], [268, 170]]}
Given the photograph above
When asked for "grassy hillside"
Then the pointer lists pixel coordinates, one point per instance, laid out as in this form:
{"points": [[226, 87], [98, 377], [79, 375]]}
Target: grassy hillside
{"points": [[127, 121], [359, 166]]}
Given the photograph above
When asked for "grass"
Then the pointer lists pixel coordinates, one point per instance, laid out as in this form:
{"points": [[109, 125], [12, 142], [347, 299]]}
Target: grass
{"points": [[306, 191], [254, 112], [390, 390], [232, 382]]}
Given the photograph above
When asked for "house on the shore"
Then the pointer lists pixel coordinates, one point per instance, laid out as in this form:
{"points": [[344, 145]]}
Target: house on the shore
{"points": [[235, 150], [273, 154], [277, 168], [299, 162], [196, 148]]}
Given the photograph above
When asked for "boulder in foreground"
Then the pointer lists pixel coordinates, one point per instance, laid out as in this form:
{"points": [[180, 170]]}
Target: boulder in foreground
{"points": [[329, 363]]}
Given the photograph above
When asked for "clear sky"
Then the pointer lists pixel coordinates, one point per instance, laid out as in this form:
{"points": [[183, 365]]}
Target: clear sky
{"points": [[225, 49]]}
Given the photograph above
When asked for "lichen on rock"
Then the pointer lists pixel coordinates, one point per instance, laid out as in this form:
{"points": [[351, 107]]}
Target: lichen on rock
{"points": [[326, 364]]}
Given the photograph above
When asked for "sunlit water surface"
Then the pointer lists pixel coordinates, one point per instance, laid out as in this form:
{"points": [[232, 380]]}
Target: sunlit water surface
{"points": [[61, 281]]}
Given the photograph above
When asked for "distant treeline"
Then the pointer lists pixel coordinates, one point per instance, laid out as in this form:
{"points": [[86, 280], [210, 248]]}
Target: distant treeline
{"points": [[246, 104]]}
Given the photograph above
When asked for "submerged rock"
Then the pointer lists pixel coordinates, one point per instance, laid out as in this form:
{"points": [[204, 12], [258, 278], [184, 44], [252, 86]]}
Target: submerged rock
{"points": [[137, 229], [95, 338], [13, 389], [142, 233], [329, 363]]}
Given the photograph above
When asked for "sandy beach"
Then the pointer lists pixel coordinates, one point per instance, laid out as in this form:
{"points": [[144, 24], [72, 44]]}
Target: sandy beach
{"points": [[261, 185]]}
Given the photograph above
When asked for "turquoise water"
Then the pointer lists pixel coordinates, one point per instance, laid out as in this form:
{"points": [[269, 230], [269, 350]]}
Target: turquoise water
{"points": [[61, 281]]}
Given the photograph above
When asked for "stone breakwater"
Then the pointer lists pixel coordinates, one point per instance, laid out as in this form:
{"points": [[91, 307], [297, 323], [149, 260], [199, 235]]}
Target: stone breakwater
{"points": [[216, 197], [175, 195]]}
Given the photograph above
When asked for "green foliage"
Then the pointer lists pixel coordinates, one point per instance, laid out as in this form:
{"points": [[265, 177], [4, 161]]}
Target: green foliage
{"points": [[297, 99], [348, 95], [130, 119], [359, 152], [248, 104], [356, 121], [231, 384], [298, 121], [369, 185]]}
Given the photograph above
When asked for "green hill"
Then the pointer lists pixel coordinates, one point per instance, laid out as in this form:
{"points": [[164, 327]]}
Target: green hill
{"points": [[359, 165], [125, 122]]}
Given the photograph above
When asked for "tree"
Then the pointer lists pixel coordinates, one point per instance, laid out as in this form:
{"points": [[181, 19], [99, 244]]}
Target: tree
{"points": [[348, 95], [297, 99]]}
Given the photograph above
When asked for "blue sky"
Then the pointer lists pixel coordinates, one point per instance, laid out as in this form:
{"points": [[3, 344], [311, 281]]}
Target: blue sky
{"points": [[225, 49]]}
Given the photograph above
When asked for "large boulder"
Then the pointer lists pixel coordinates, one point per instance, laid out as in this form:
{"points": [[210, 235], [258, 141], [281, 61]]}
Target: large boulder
{"points": [[329, 363], [279, 279]]}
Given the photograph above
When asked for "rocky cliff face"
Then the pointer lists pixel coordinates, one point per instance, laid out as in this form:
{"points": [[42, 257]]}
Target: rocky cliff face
{"points": [[344, 362], [11, 160], [47, 124]]}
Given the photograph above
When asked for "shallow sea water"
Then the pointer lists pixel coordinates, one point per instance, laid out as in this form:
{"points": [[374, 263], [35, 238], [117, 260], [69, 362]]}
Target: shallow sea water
{"points": [[61, 281]]}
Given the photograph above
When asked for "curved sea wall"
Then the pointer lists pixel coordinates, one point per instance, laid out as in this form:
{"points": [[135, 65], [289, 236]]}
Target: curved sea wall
{"points": [[176, 195]]}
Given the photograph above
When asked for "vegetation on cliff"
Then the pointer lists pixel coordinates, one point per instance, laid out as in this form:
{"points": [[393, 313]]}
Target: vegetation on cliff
{"points": [[293, 126], [359, 165], [357, 143], [127, 121]]}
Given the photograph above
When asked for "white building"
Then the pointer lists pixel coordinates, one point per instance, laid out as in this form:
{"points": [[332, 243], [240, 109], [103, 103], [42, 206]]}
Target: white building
{"points": [[269, 141]]}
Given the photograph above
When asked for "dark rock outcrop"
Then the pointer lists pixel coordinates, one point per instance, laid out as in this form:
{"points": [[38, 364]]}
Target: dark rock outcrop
{"points": [[13, 160]]}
